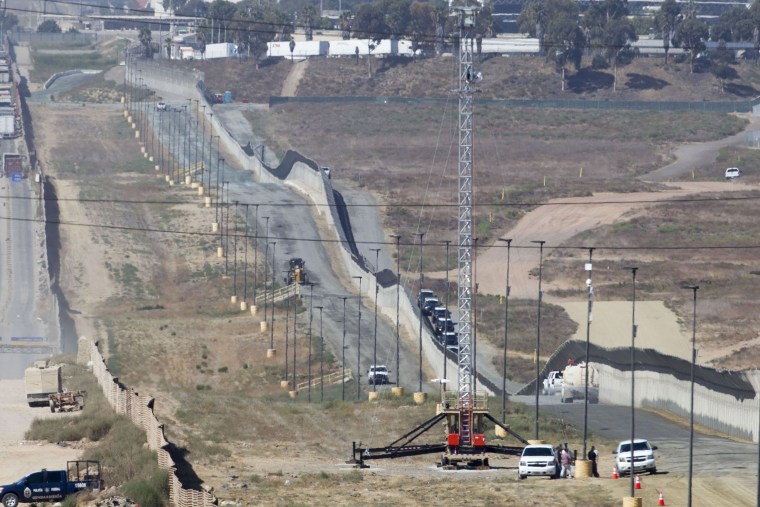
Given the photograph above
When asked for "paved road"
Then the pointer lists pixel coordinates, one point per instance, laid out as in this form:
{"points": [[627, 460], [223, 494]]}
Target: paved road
{"points": [[294, 230], [691, 156], [25, 303], [713, 455]]}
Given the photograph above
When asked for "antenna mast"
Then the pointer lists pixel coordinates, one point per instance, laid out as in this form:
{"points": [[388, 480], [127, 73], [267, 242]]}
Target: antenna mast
{"points": [[464, 237]]}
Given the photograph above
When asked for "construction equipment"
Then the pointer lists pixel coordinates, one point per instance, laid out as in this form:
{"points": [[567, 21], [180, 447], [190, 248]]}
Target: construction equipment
{"points": [[67, 401], [297, 271], [40, 381]]}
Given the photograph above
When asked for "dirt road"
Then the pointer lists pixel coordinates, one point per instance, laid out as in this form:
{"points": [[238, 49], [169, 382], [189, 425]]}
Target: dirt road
{"points": [[556, 224], [19, 456]]}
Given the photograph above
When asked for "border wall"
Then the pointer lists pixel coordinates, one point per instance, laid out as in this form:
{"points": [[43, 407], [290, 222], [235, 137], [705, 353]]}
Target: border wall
{"points": [[724, 401], [139, 409]]}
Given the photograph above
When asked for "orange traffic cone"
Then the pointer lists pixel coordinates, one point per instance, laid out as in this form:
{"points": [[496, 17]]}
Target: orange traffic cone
{"points": [[614, 472], [661, 501], [638, 483]]}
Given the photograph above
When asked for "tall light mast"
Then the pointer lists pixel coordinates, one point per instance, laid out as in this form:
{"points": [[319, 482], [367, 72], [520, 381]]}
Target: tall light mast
{"points": [[467, 78]]}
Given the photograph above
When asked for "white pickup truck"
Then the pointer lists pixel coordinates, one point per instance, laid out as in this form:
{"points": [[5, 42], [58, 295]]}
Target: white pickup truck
{"points": [[553, 383]]}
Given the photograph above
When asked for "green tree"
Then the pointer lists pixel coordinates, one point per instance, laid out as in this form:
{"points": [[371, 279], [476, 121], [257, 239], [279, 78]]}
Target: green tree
{"points": [[553, 23], [422, 23], [146, 39], [49, 26], [564, 41], [666, 20], [173, 5], [733, 26], [8, 21], [369, 22], [720, 65], [254, 25], [609, 29], [397, 17], [691, 36], [222, 13]]}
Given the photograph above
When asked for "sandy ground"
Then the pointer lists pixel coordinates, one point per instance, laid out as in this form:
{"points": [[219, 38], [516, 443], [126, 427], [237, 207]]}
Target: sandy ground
{"points": [[611, 326], [21, 457], [558, 224]]}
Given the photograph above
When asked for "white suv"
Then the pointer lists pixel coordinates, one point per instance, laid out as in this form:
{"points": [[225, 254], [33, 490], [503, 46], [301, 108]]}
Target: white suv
{"points": [[378, 374], [732, 173], [643, 456], [537, 460]]}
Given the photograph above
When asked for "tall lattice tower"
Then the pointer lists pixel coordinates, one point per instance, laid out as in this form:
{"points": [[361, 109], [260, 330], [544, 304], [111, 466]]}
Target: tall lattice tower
{"points": [[467, 78]]}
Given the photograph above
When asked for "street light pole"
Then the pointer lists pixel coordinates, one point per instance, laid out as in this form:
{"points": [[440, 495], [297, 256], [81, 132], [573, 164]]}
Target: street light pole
{"points": [[397, 237], [256, 251], [538, 329], [287, 337], [266, 271], [295, 342], [321, 358], [445, 337], [271, 331], [508, 241], [359, 343], [227, 227], [245, 257], [633, 369], [693, 288], [420, 234], [311, 319], [377, 293], [343, 352], [588, 346], [234, 256]]}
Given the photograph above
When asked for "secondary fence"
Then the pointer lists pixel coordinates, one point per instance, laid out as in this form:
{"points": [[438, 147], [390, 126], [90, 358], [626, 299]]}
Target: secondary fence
{"points": [[139, 408], [281, 294], [336, 377]]}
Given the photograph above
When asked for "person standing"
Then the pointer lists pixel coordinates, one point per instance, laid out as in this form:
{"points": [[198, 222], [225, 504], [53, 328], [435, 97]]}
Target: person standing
{"points": [[565, 460], [593, 457]]}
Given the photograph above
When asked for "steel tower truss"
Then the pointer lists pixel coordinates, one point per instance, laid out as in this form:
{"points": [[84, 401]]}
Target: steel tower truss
{"points": [[464, 235]]}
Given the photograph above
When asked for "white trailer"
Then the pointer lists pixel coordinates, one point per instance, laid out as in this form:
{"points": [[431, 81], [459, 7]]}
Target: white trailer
{"points": [[7, 126], [221, 50], [405, 48], [574, 383], [510, 46], [40, 383], [348, 47], [302, 49]]}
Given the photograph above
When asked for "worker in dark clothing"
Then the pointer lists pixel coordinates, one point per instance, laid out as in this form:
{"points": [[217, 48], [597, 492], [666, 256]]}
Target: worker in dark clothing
{"points": [[593, 457]]}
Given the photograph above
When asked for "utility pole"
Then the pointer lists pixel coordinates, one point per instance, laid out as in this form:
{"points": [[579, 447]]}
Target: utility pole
{"points": [[377, 293], [397, 237], [359, 343]]}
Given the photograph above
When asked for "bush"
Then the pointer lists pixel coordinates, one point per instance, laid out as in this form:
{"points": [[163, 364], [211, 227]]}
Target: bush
{"points": [[599, 62], [122, 455], [49, 26], [150, 492]]}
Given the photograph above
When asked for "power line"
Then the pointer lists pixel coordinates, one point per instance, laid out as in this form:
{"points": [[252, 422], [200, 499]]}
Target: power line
{"points": [[275, 27], [386, 243], [407, 205]]}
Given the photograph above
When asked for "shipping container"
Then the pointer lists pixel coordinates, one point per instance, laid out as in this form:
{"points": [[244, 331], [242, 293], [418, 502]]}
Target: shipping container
{"points": [[302, 49], [41, 382], [384, 47], [221, 50]]}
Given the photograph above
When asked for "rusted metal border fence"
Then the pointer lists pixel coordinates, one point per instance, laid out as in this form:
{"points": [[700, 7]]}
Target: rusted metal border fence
{"points": [[139, 408]]}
